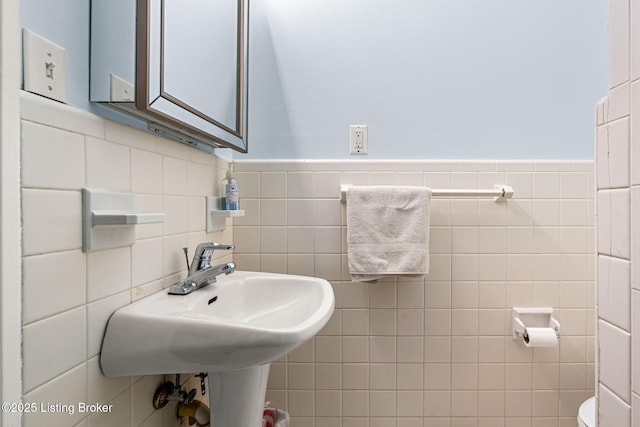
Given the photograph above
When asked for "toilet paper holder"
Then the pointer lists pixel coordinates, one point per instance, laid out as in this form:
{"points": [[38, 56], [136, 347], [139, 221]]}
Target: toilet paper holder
{"points": [[524, 318]]}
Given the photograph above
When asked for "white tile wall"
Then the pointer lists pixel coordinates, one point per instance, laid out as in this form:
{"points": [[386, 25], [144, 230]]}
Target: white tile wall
{"points": [[436, 352], [404, 353], [618, 224], [615, 359], [614, 291], [619, 41], [68, 295]]}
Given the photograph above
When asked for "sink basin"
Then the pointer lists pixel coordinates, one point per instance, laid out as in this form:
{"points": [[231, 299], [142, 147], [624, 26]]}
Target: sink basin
{"points": [[243, 320], [231, 329]]}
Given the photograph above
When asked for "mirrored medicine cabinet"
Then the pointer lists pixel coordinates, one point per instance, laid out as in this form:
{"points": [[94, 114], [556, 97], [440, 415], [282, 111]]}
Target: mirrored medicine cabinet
{"points": [[178, 65]]}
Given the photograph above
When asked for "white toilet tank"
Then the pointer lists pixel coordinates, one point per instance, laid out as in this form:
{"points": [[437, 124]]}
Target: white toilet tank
{"points": [[587, 413]]}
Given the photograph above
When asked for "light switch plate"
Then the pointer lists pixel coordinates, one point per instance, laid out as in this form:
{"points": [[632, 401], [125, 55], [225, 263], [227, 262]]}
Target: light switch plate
{"points": [[45, 66], [121, 90]]}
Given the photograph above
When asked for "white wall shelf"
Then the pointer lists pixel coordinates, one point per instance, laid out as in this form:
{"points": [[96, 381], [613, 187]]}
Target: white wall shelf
{"points": [[216, 217], [108, 218]]}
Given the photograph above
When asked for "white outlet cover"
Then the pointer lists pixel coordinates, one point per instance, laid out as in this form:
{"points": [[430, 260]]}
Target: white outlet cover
{"points": [[358, 139], [45, 66]]}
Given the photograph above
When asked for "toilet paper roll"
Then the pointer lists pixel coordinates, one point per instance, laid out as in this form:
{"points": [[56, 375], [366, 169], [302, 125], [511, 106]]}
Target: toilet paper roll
{"points": [[540, 337]]}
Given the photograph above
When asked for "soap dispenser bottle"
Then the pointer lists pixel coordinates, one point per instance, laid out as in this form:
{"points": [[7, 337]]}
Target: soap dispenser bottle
{"points": [[231, 191]]}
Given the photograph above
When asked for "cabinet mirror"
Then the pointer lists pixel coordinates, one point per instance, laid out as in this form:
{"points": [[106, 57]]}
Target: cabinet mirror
{"points": [[180, 66]]}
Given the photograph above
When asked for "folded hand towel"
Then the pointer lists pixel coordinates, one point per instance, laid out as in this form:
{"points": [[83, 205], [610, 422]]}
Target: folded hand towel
{"points": [[387, 231]]}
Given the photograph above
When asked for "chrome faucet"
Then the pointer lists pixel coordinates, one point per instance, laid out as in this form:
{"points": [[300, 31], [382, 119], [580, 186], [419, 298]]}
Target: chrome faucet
{"points": [[201, 272]]}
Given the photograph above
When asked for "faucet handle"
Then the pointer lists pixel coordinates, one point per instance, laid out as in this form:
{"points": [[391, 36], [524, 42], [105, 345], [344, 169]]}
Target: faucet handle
{"points": [[202, 256], [223, 246], [202, 247]]}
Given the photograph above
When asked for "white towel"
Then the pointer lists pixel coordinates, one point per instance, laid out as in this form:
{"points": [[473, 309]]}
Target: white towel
{"points": [[387, 231]]}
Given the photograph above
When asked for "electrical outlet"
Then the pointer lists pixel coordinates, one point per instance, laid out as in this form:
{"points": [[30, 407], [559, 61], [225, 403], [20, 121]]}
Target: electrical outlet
{"points": [[358, 139], [45, 67]]}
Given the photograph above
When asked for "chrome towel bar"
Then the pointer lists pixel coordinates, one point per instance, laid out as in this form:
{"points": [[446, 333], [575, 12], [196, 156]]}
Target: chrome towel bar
{"points": [[500, 192]]}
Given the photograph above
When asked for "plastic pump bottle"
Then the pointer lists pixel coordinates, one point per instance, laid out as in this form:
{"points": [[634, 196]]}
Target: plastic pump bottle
{"points": [[231, 191]]}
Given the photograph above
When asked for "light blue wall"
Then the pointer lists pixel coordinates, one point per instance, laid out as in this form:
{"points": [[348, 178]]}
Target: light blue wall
{"points": [[433, 79], [66, 23]]}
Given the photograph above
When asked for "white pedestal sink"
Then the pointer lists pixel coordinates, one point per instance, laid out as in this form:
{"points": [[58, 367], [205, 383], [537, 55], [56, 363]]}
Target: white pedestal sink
{"points": [[232, 329]]}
